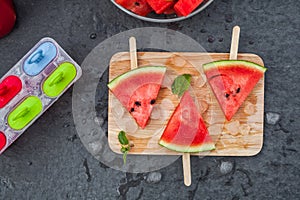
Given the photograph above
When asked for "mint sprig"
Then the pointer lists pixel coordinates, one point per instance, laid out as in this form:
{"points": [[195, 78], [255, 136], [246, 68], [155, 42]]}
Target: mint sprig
{"points": [[125, 145], [181, 84]]}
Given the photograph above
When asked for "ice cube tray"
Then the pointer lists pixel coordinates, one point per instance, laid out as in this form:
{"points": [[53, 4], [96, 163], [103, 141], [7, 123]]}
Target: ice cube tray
{"points": [[31, 86]]}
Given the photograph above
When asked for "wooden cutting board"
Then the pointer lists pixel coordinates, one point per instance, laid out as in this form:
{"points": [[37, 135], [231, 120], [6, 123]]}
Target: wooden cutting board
{"points": [[239, 141]]}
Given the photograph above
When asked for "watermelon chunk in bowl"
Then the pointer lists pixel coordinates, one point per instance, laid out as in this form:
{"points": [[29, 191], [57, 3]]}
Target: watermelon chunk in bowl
{"points": [[140, 7], [160, 6], [185, 7]]}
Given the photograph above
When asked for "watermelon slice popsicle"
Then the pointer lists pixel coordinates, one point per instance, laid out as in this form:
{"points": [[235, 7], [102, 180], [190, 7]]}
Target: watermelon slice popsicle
{"points": [[186, 163], [185, 156], [233, 80]]}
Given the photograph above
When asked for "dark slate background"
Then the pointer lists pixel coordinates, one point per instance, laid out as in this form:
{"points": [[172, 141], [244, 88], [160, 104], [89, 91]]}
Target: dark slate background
{"points": [[49, 161]]}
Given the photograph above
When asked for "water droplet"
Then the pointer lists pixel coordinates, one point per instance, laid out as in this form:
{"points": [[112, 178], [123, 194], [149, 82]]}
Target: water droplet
{"points": [[272, 118], [210, 39], [93, 36], [228, 18], [66, 125], [154, 177], [226, 167]]}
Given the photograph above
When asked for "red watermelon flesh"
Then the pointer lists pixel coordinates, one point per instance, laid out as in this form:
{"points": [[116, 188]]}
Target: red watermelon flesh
{"points": [[186, 130], [232, 81], [169, 11], [139, 7], [185, 7], [160, 6], [137, 90]]}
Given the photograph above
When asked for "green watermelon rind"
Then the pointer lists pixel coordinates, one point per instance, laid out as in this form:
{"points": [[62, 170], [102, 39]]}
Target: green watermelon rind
{"points": [[207, 146], [229, 63], [146, 69]]}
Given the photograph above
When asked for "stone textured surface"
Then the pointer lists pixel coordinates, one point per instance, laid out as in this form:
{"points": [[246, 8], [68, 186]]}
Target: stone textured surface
{"points": [[49, 161]]}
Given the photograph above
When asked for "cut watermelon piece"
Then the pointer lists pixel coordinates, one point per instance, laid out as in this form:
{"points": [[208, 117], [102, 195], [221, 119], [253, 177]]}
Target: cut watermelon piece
{"points": [[137, 90], [232, 81], [169, 11], [139, 7], [185, 7], [160, 6], [186, 130]]}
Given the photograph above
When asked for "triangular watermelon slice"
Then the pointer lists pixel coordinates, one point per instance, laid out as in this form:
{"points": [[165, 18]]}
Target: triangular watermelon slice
{"points": [[137, 90], [186, 130], [232, 81]]}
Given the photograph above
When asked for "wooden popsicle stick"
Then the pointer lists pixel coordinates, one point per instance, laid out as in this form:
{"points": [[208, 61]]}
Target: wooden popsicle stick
{"points": [[234, 43], [186, 164], [133, 54]]}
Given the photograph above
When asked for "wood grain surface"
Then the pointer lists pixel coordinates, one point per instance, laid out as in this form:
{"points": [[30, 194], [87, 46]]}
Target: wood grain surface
{"points": [[242, 136]]}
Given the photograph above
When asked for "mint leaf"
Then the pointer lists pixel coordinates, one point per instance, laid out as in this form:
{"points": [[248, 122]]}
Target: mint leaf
{"points": [[181, 84], [122, 138]]}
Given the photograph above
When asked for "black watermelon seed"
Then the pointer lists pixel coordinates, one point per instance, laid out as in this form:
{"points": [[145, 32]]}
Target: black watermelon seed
{"points": [[132, 110], [227, 95], [238, 90], [137, 103], [152, 101]]}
